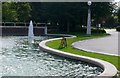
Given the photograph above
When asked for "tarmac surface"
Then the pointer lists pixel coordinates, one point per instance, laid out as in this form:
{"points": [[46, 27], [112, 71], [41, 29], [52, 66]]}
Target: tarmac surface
{"points": [[106, 45]]}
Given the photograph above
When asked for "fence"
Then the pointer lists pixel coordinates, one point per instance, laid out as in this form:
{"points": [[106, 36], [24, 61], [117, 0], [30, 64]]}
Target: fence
{"points": [[21, 24], [21, 28]]}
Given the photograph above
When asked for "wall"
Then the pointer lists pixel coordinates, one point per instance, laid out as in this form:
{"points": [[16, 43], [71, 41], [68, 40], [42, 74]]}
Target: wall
{"points": [[20, 31]]}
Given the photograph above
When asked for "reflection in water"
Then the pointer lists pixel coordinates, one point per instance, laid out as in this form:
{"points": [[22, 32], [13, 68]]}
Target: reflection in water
{"points": [[17, 59]]}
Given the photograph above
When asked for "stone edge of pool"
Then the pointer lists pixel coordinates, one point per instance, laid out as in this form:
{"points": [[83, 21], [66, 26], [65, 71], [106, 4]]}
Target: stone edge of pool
{"points": [[110, 70]]}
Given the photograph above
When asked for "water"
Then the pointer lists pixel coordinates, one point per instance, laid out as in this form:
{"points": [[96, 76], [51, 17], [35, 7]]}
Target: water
{"points": [[17, 59], [30, 33]]}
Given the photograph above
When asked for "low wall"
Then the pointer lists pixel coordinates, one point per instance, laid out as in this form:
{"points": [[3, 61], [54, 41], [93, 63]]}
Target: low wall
{"points": [[110, 70], [21, 31]]}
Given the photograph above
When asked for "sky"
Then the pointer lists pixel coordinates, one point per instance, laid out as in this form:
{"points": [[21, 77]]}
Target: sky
{"points": [[117, 0]]}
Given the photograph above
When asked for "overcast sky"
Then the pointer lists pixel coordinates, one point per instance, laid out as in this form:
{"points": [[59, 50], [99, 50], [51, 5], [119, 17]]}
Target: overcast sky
{"points": [[117, 0]]}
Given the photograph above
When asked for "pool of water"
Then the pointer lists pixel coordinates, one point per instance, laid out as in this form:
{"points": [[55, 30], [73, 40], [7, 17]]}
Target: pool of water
{"points": [[18, 58]]}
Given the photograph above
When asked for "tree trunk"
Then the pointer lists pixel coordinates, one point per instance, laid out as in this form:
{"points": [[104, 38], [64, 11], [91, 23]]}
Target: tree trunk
{"points": [[68, 27]]}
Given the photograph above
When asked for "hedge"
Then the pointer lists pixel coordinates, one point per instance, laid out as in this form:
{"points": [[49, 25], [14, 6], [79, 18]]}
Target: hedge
{"points": [[93, 30], [118, 28]]}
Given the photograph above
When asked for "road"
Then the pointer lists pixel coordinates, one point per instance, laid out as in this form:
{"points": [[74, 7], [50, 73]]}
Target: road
{"points": [[106, 45]]}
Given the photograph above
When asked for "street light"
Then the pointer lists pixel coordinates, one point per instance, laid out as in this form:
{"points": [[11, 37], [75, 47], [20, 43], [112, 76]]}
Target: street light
{"points": [[89, 3], [89, 19]]}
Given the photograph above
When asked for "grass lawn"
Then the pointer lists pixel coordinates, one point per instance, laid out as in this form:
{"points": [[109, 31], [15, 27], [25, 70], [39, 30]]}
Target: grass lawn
{"points": [[112, 59]]}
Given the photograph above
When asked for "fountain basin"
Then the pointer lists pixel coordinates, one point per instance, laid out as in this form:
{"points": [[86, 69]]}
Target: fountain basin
{"points": [[17, 58], [110, 70]]}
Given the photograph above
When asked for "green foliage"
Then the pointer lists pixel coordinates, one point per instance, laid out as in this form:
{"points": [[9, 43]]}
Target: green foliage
{"points": [[111, 20], [119, 15], [8, 12], [23, 9], [70, 15], [0, 11], [12, 11], [118, 28], [101, 11], [93, 30]]}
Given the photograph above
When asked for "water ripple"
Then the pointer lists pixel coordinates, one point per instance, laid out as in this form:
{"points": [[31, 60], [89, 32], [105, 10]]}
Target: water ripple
{"points": [[19, 59]]}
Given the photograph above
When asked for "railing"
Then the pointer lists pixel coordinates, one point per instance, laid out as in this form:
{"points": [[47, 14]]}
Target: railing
{"points": [[47, 27], [22, 24]]}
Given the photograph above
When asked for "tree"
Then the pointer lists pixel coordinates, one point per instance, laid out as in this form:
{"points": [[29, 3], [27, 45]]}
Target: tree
{"points": [[13, 11], [8, 12], [70, 16], [101, 11], [24, 11], [119, 15]]}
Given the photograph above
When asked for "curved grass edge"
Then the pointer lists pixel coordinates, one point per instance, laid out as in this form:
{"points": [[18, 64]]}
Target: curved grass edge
{"points": [[108, 67], [109, 58]]}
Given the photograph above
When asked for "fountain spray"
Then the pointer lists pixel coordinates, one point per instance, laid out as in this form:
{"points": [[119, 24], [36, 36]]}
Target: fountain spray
{"points": [[30, 33]]}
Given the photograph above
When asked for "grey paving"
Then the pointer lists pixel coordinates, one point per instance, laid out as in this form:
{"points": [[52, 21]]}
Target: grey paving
{"points": [[106, 45]]}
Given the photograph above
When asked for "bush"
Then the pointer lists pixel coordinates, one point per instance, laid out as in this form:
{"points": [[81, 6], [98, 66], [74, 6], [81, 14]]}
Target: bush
{"points": [[93, 30], [118, 28]]}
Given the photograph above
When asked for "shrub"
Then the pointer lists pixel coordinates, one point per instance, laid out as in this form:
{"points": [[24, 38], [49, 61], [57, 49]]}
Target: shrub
{"points": [[118, 28], [93, 30]]}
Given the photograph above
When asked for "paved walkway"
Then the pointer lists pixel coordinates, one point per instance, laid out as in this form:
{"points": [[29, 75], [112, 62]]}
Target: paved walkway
{"points": [[106, 45]]}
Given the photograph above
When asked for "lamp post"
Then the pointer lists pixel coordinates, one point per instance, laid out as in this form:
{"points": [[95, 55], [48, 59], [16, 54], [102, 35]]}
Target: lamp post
{"points": [[89, 19]]}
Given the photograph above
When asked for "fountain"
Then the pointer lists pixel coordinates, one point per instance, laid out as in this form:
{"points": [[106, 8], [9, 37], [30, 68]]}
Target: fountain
{"points": [[30, 33], [19, 57]]}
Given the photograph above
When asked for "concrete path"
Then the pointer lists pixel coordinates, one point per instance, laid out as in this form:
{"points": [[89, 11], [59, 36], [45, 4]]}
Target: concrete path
{"points": [[106, 45]]}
